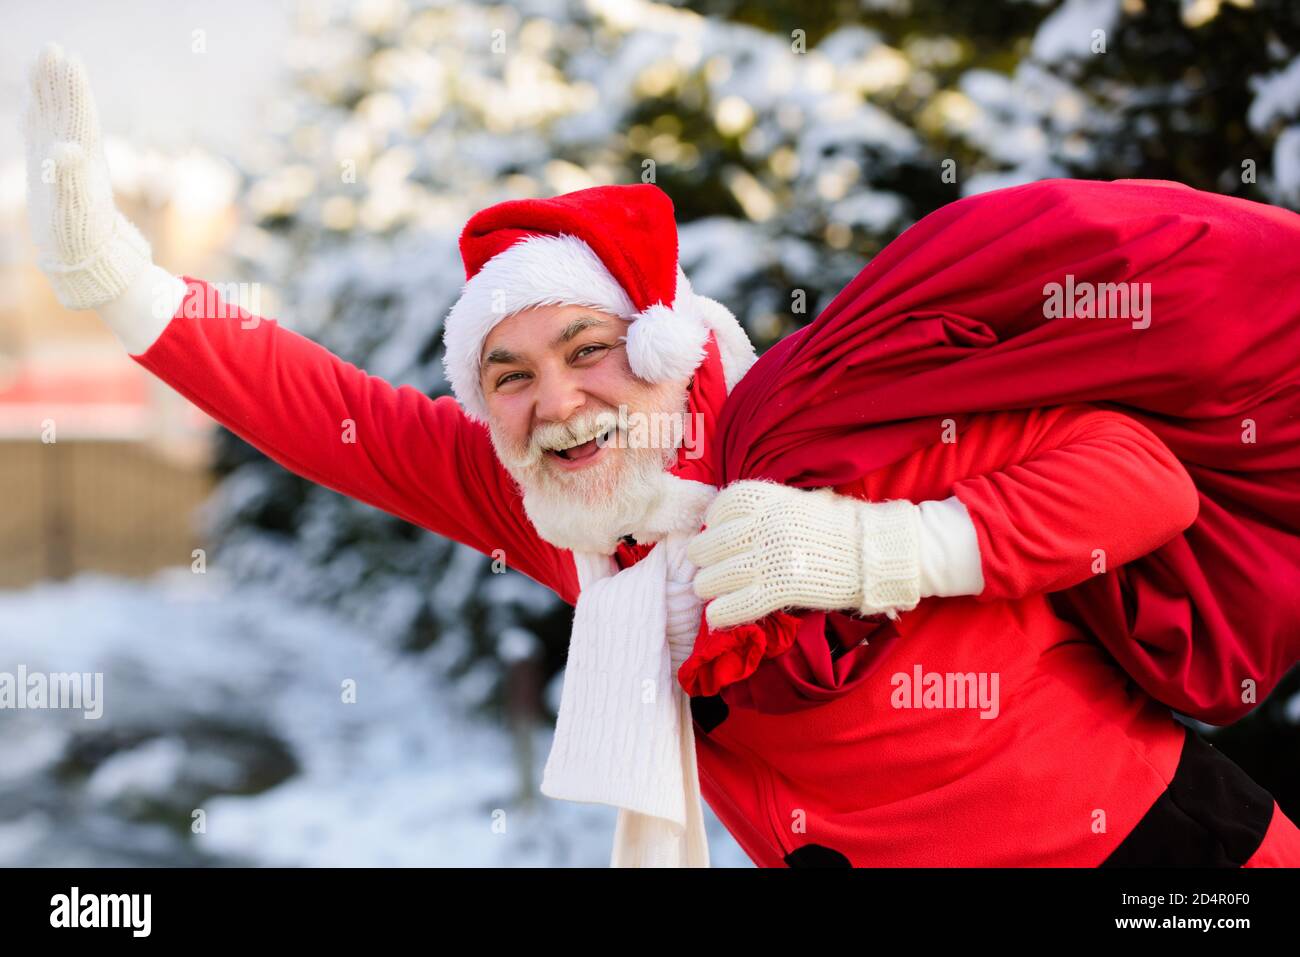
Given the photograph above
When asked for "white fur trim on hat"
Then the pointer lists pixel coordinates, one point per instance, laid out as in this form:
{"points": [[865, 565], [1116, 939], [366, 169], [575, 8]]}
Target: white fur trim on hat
{"points": [[662, 343]]}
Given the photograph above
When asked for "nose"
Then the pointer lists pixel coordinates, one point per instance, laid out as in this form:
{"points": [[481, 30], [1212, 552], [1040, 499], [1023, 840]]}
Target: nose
{"points": [[558, 397]]}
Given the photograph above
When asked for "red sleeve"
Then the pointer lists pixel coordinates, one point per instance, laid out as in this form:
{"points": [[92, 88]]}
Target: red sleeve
{"points": [[1070, 485], [419, 458]]}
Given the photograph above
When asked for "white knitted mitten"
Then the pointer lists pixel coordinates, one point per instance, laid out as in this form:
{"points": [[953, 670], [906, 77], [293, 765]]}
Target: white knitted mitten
{"points": [[769, 546], [89, 250]]}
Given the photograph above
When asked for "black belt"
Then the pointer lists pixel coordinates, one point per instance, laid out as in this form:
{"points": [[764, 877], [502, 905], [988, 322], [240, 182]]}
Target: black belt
{"points": [[1211, 815]]}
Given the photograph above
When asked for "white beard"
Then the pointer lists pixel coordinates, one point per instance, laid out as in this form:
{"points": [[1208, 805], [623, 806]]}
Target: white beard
{"points": [[579, 517], [630, 492]]}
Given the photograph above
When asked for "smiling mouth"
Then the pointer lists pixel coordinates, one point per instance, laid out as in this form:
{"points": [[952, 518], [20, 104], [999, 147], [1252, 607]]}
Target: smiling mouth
{"points": [[584, 451]]}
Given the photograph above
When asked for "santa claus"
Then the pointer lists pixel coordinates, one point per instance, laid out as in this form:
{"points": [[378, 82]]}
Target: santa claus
{"points": [[879, 677]]}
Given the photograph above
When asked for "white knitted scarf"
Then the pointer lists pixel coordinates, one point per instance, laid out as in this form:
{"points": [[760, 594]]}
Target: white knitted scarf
{"points": [[624, 735]]}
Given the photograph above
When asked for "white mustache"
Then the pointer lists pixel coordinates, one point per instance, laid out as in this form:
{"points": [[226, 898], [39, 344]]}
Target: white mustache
{"points": [[582, 427]]}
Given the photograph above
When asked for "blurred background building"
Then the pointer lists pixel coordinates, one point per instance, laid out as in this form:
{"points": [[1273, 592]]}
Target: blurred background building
{"points": [[102, 466], [330, 152]]}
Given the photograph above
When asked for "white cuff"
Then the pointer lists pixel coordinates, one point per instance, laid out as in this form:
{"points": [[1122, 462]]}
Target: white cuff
{"points": [[950, 554], [144, 309], [105, 272], [891, 561]]}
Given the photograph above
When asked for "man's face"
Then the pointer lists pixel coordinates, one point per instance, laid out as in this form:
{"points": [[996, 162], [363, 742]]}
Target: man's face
{"points": [[559, 392]]}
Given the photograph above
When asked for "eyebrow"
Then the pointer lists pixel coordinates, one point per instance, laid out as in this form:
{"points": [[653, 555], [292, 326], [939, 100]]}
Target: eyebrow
{"points": [[575, 327], [506, 357]]}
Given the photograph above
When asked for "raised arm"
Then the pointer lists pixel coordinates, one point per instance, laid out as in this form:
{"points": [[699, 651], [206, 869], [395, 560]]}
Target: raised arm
{"points": [[323, 418]]}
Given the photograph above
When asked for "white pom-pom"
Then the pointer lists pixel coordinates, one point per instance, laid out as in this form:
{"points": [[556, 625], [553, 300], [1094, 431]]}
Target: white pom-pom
{"points": [[663, 345]]}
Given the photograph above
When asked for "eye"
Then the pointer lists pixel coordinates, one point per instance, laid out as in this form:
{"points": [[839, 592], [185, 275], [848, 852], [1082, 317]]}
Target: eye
{"points": [[508, 377], [583, 353]]}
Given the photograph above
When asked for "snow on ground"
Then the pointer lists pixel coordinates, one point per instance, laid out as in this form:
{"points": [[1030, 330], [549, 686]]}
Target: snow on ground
{"points": [[232, 701]]}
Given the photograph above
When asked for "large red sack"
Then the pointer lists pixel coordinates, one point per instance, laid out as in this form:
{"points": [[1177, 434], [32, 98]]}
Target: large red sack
{"points": [[953, 318]]}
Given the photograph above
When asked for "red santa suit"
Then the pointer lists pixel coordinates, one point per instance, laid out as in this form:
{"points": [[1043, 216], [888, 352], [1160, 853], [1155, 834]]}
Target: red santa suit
{"points": [[1080, 767]]}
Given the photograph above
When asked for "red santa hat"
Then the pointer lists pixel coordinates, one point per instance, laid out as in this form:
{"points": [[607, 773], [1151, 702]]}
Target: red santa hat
{"points": [[613, 248]]}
